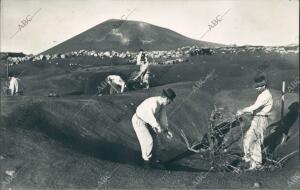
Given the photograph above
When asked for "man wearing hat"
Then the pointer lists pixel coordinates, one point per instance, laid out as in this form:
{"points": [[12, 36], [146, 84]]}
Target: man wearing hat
{"points": [[151, 115], [260, 111], [144, 73]]}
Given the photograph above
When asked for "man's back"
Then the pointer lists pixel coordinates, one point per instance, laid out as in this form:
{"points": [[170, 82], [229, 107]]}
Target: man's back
{"points": [[116, 79], [265, 100], [150, 104], [152, 111]]}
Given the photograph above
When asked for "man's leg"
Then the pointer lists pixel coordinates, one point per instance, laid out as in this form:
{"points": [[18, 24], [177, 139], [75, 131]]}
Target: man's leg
{"points": [[144, 137], [251, 143], [256, 154], [146, 80], [259, 126], [247, 141], [122, 87]]}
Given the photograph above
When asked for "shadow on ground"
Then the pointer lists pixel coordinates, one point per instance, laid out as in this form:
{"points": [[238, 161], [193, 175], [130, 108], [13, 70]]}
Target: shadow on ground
{"points": [[282, 128]]}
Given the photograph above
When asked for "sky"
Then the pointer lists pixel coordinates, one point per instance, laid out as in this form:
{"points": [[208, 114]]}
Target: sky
{"points": [[255, 22]]}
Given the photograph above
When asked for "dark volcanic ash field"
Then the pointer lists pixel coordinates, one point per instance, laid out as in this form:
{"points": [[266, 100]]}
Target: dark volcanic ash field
{"points": [[77, 141], [87, 141]]}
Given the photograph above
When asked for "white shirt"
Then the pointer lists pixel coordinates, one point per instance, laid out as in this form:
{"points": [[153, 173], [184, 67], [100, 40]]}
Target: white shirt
{"points": [[116, 79], [263, 104], [14, 85], [153, 112]]}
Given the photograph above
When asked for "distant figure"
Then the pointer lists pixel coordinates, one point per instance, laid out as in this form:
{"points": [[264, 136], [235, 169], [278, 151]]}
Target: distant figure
{"points": [[141, 58], [151, 114], [117, 84], [144, 73], [260, 111], [15, 86]]}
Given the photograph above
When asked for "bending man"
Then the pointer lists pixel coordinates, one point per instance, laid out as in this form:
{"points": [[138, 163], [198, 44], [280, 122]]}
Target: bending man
{"points": [[115, 81], [151, 114]]}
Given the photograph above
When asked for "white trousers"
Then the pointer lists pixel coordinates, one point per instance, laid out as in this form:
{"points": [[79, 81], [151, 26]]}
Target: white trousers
{"points": [[253, 140], [144, 137]]}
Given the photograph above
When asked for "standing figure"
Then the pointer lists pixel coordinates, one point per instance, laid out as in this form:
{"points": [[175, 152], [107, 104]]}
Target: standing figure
{"points": [[144, 73], [15, 86], [260, 111], [151, 115], [141, 58]]}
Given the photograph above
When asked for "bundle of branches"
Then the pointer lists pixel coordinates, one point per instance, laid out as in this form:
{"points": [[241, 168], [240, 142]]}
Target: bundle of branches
{"points": [[217, 151], [212, 143]]}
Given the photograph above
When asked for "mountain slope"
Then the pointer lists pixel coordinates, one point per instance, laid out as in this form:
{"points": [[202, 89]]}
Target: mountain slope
{"points": [[121, 35]]}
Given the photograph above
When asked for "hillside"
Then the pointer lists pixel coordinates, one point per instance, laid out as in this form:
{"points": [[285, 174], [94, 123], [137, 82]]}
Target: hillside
{"points": [[81, 140], [121, 35]]}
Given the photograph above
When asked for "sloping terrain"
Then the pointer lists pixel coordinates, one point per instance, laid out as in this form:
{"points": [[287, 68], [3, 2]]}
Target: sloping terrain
{"points": [[230, 69], [40, 163], [97, 131], [87, 141], [126, 35]]}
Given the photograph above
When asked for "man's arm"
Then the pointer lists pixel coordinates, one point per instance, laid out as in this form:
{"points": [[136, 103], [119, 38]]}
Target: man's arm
{"points": [[122, 87], [163, 118], [260, 101], [153, 122], [138, 59], [164, 123], [108, 80]]}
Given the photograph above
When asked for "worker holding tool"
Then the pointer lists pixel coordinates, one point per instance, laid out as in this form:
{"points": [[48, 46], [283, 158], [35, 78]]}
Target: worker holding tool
{"points": [[115, 81], [151, 115], [144, 73], [260, 111], [141, 58]]}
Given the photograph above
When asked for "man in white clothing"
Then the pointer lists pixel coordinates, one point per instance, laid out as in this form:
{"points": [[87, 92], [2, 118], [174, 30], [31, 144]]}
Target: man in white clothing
{"points": [[114, 81], [260, 110], [14, 85], [152, 113], [141, 58], [144, 73]]}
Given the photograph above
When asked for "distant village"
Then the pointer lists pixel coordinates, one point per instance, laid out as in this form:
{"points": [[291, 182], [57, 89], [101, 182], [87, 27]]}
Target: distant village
{"points": [[165, 57]]}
